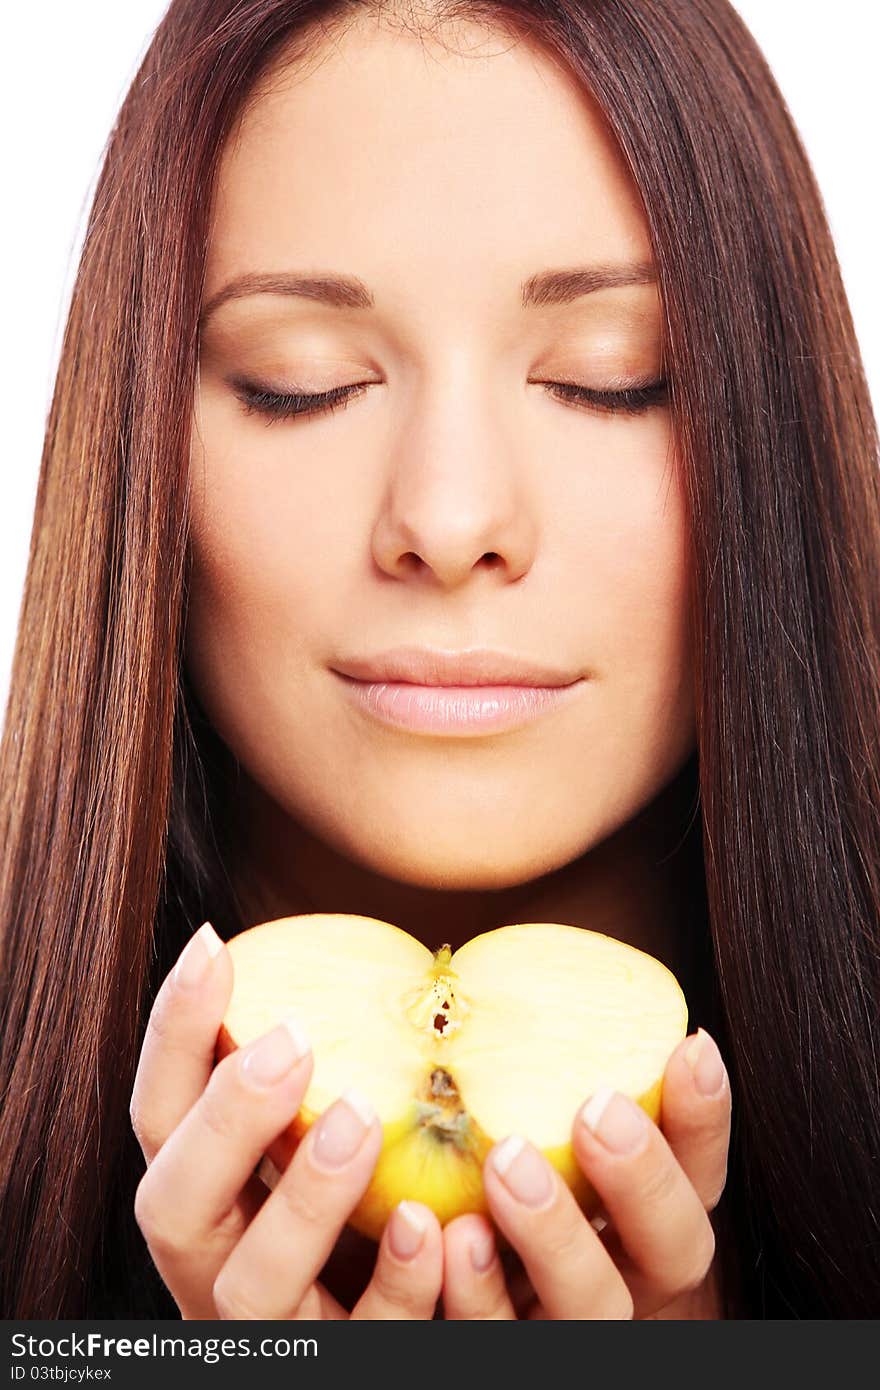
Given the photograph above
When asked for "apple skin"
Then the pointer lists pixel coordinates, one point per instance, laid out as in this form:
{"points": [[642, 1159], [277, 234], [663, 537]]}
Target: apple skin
{"points": [[400, 1168]]}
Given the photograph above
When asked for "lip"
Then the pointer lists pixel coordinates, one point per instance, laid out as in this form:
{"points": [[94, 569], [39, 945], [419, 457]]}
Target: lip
{"points": [[457, 710], [435, 667]]}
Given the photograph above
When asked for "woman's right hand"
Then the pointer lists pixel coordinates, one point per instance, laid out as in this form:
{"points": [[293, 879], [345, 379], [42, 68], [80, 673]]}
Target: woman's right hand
{"points": [[225, 1247]]}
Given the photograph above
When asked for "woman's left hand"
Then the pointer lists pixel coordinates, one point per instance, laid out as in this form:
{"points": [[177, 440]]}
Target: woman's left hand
{"points": [[656, 1193]]}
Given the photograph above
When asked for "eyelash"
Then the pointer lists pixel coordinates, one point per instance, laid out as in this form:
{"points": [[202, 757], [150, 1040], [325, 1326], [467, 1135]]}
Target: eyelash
{"points": [[632, 400]]}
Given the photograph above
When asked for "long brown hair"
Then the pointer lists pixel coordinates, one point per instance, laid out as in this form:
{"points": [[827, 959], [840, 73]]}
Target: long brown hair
{"points": [[113, 784]]}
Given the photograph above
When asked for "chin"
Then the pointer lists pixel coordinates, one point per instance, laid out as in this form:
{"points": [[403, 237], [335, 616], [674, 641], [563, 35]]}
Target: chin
{"points": [[452, 864]]}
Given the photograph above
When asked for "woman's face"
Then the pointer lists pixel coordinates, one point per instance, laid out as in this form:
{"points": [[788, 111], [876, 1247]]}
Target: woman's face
{"points": [[455, 502]]}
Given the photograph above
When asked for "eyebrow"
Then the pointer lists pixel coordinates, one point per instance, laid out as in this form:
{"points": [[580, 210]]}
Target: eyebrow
{"points": [[347, 292]]}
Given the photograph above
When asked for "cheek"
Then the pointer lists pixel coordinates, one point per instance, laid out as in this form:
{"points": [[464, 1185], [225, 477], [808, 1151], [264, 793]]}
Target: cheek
{"points": [[634, 539], [265, 536], [629, 530], [642, 566]]}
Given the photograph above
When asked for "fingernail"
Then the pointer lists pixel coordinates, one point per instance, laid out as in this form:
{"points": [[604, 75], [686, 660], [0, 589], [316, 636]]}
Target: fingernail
{"points": [[704, 1060], [200, 950], [524, 1171], [340, 1130], [615, 1120], [406, 1234], [482, 1252], [598, 1223], [270, 1059]]}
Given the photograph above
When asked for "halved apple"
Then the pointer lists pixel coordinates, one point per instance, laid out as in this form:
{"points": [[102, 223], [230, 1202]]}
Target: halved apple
{"points": [[510, 1033]]}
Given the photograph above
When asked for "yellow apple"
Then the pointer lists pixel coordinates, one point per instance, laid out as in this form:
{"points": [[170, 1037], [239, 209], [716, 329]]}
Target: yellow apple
{"points": [[510, 1033]]}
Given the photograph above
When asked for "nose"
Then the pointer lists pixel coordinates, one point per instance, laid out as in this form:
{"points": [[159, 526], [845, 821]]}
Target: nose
{"points": [[456, 497]]}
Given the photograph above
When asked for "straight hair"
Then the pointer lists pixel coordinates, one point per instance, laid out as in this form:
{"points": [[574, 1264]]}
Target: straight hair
{"points": [[114, 786]]}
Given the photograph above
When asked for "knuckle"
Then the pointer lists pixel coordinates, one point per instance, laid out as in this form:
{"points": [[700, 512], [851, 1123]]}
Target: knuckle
{"points": [[143, 1208], [144, 1132], [148, 1215], [562, 1242], [657, 1185], [692, 1270], [492, 1306], [399, 1289], [218, 1114], [702, 1261], [229, 1228], [137, 1123], [300, 1203], [718, 1193]]}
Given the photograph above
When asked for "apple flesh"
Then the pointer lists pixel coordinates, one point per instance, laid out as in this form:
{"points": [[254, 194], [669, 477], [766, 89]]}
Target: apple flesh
{"points": [[510, 1033]]}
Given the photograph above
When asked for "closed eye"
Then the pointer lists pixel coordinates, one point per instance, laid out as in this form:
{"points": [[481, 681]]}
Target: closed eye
{"points": [[280, 407], [630, 400]]}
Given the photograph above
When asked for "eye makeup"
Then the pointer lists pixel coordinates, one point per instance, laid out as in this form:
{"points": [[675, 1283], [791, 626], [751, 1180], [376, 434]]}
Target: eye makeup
{"points": [[274, 406]]}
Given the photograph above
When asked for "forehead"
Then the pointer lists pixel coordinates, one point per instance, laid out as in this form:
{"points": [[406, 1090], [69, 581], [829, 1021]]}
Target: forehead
{"points": [[394, 156]]}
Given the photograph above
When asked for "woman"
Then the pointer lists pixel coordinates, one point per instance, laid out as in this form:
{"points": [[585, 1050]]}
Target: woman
{"points": [[654, 472]]}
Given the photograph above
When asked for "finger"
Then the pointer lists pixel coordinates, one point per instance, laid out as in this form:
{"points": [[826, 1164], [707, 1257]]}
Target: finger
{"points": [[319, 1303], [474, 1285], [197, 1196], [177, 1054], [408, 1276], [657, 1216], [251, 1096], [569, 1267], [282, 1252], [695, 1116]]}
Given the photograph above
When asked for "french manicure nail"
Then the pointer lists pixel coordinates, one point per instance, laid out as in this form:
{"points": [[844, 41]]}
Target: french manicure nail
{"points": [[524, 1171], [200, 950], [704, 1060], [270, 1059], [406, 1234], [615, 1120], [341, 1129]]}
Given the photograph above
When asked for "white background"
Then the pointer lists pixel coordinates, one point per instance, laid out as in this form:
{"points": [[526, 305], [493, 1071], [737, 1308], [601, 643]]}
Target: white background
{"points": [[58, 102]]}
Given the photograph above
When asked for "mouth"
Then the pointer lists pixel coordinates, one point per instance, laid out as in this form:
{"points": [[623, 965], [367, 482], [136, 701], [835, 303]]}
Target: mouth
{"points": [[434, 666], [457, 710]]}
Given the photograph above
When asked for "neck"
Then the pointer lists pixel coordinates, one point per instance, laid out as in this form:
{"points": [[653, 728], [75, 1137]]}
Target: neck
{"points": [[632, 886]]}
